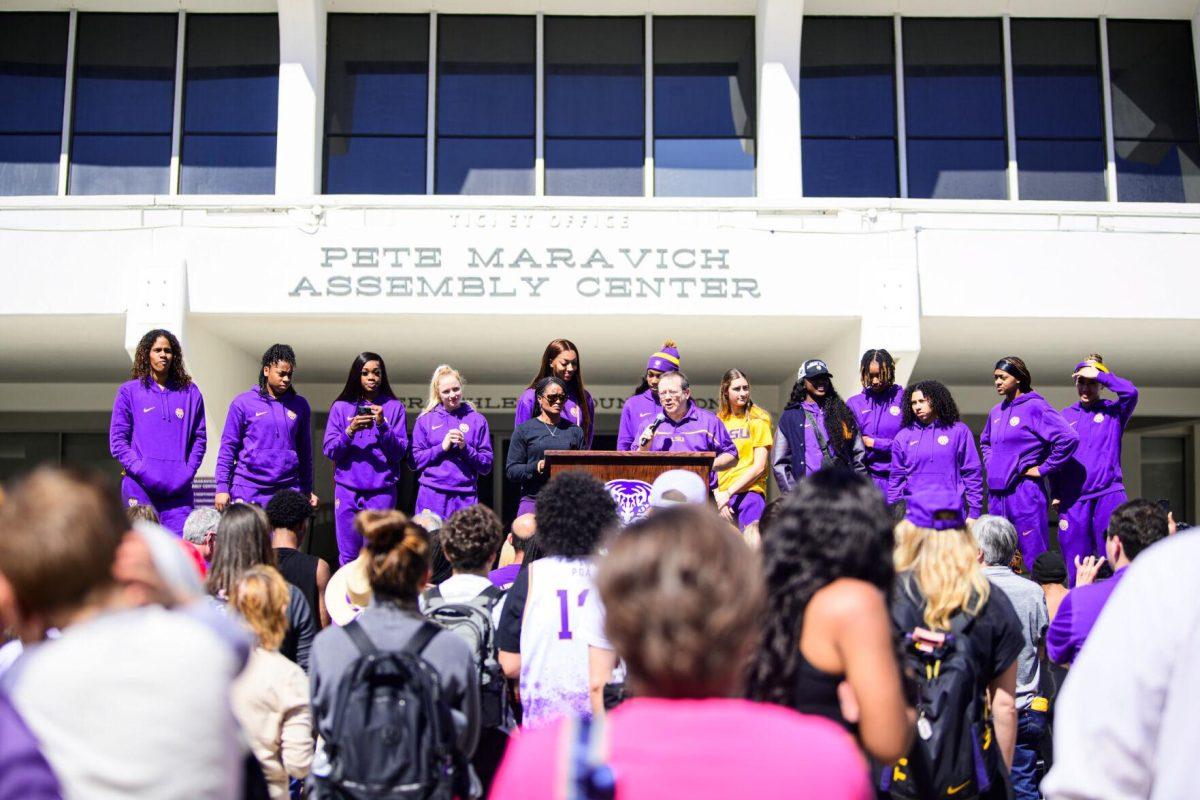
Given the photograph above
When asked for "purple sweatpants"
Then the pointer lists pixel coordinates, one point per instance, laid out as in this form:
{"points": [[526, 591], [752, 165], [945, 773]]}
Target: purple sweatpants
{"points": [[442, 503], [347, 503], [747, 507], [241, 493], [1025, 508], [172, 510], [1081, 528]]}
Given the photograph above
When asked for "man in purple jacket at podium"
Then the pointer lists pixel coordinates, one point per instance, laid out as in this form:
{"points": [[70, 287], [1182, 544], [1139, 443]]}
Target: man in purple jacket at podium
{"points": [[683, 427]]}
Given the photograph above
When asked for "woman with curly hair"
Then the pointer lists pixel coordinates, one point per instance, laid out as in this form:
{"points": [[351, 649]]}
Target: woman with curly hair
{"points": [[940, 589], [561, 360], [816, 429], [366, 439], [539, 636], [157, 431], [266, 446], [878, 409], [826, 646], [1024, 440], [451, 447], [934, 448], [683, 598]]}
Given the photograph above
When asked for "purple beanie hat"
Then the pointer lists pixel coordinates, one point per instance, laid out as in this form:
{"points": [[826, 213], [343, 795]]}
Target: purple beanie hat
{"points": [[666, 359]]}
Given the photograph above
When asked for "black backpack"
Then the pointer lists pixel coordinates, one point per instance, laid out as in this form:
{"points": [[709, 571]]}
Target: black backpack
{"points": [[392, 736], [954, 753], [472, 621]]}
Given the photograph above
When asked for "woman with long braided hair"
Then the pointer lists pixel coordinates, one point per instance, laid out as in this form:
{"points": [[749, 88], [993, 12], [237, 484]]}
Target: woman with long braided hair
{"points": [[157, 432], [816, 429], [878, 409], [826, 645]]}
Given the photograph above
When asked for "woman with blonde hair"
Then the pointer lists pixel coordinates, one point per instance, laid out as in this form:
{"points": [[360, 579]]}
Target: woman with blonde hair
{"points": [[961, 641], [270, 697], [742, 489], [451, 447]]}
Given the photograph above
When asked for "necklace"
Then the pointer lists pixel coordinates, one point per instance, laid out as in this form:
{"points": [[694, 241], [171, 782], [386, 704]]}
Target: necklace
{"points": [[552, 428]]}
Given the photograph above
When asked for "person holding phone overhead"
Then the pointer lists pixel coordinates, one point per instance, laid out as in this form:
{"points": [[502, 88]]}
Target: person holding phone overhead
{"points": [[451, 447], [157, 431], [366, 440], [561, 360], [267, 442], [549, 430]]}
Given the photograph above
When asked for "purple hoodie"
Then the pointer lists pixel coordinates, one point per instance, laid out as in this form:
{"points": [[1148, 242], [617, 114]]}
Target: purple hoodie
{"points": [[926, 456], [158, 435], [637, 411], [880, 416], [698, 431], [456, 469], [1095, 468], [1023, 433], [371, 458], [267, 443], [571, 412]]}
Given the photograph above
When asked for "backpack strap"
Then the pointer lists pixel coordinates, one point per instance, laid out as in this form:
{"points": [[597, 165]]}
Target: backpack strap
{"points": [[494, 594], [360, 639], [822, 442], [421, 639]]}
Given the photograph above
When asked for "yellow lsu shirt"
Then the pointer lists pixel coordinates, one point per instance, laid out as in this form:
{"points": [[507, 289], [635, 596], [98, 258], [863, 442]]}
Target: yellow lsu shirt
{"points": [[748, 432]]}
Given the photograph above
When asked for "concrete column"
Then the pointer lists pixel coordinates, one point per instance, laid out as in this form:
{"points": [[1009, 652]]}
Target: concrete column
{"points": [[159, 300], [889, 289], [222, 371], [1131, 463], [301, 97], [777, 29]]}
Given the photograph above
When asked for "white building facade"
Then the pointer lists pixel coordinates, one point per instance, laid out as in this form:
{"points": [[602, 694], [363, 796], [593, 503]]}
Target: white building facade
{"points": [[462, 181]]}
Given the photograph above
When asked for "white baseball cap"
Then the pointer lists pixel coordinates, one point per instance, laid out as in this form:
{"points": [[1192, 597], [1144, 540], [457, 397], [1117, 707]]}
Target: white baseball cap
{"points": [[678, 487]]}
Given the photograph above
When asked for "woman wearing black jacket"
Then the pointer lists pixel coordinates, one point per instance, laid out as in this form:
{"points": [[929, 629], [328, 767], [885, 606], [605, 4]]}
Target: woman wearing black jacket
{"points": [[816, 429], [526, 463]]}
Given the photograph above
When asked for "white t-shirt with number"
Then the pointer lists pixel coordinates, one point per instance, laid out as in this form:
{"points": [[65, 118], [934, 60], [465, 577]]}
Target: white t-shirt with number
{"points": [[554, 651]]}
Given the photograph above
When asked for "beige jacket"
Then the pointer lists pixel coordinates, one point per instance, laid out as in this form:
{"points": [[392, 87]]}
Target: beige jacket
{"points": [[270, 701]]}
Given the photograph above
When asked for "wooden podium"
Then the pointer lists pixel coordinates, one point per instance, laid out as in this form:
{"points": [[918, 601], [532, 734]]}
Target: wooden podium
{"points": [[628, 475]]}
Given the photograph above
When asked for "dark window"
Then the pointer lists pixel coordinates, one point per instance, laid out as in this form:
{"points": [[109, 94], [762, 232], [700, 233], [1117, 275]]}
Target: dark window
{"points": [[1155, 128], [954, 108], [124, 103], [33, 68], [376, 103], [704, 106], [595, 105], [1058, 110], [848, 107], [486, 104], [230, 104]]}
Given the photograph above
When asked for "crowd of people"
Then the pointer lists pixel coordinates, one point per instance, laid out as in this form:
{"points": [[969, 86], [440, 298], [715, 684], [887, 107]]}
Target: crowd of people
{"points": [[870, 633]]}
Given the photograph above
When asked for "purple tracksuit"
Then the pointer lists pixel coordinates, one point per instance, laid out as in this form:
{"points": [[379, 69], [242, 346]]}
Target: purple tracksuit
{"points": [[1019, 434], [880, 416], [448, 477], [366, 467], [266, 447], [925, 456], [159, 437], [527, 408], [1090, 486], [637, 411]]}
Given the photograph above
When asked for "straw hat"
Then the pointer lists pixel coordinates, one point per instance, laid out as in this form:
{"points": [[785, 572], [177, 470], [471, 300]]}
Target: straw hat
{"points": [[348, 591]]}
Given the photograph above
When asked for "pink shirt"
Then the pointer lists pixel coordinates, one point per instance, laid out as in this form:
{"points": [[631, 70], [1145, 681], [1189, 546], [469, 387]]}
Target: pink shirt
{"points": [[714, 748]]}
